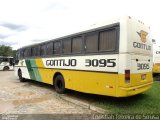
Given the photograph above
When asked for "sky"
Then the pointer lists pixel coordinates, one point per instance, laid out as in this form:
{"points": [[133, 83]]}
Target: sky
{"points": [[25, 22]]}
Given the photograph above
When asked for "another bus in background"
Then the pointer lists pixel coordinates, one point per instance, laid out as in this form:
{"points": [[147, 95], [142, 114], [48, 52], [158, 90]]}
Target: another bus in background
{"points": [[156, 59], [6, 63]]}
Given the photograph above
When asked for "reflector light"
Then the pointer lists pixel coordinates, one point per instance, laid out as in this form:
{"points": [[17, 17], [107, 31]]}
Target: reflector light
{"points": [[127, 76]]}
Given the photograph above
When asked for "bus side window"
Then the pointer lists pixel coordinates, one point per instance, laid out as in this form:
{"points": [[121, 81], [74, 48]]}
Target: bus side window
{"points": [[43, 50], [5, 60], [49, 48], [22, 53], [91, 42], [11, 62], [27, 52], [77, 45], [107, 40], [66, 46], [57, 47], [16, 62], [36, 51], [18, 55]]}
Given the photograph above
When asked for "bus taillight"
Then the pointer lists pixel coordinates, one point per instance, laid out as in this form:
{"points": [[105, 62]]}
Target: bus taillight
{"points": [[127, 76]]}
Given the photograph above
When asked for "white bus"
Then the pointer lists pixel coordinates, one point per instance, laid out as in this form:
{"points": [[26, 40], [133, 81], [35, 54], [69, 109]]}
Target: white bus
{"points": [[112, 59], [6, 63], [156, 59]]}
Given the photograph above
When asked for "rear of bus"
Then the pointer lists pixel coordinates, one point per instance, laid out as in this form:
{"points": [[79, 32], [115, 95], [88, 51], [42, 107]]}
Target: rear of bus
{"points": [[135, 58]]}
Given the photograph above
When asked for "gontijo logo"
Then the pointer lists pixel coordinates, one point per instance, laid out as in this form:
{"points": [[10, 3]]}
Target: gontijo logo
{"points": [[143, 35], [143, 38]]}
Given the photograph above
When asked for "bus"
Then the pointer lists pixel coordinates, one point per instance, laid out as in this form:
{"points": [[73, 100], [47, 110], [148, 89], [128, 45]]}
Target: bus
{"points": [[113, 58], [156, 59], [6, 63]]}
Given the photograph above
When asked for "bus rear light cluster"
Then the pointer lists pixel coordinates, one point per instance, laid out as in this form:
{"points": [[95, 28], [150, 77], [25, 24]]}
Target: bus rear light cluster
{"points": [[127, 76]]}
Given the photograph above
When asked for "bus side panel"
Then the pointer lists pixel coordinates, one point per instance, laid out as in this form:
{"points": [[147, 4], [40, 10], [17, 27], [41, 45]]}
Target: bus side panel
{"points": [[45, 74], [22, 66], [88, 82], [91, 82], [83, 81], [1, 67]]}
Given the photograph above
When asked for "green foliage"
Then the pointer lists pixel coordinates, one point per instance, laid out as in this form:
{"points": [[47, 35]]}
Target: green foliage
{"points": [[7, 51], [14, 53]]}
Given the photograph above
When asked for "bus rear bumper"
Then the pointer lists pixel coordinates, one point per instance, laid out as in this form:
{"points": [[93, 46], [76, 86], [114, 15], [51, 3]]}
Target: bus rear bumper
{"points": [[124, 92]]}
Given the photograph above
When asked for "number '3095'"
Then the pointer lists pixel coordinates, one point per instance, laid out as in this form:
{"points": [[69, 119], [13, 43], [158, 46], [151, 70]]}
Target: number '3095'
{"points": [[142, 66]]}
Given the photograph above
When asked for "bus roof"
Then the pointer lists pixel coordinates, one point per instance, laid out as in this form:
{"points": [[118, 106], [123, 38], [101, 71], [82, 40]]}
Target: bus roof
{"points": [[70, 35], [93, 27]]}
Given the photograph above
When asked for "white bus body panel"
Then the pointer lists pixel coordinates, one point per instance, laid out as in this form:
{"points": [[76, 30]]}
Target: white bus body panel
{"points": [[84, 65], [6, 64]]}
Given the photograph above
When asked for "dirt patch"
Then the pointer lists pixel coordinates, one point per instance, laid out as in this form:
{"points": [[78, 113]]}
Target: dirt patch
{"points": [[31, 101], [6, 105], [24, 93]]}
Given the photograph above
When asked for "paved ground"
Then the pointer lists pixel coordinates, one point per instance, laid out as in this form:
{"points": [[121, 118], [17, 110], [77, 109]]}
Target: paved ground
{"points": [[33, 98]]}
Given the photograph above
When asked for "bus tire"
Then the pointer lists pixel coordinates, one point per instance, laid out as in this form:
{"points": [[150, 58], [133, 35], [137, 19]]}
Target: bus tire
{"points": [[59, 84], [20, 76], [6, 68]]}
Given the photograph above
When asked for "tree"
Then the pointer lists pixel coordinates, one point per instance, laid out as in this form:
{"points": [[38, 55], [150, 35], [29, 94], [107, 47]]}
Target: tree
{"points": [[14, 53], [7, 51]]}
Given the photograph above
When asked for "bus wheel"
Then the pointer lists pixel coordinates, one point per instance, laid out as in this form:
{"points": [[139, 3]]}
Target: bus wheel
{"points": [[20, 76], [6, 68], [59, 84]]}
